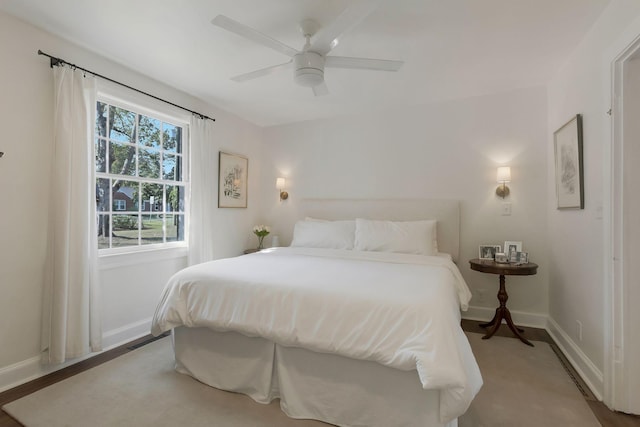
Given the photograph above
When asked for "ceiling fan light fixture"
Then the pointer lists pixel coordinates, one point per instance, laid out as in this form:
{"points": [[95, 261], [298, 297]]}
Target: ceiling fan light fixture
{"points": [[309, 69], [309, 77], [309, 63]]}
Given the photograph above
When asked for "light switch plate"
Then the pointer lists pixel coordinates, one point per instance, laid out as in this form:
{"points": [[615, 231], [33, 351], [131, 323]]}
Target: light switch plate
{"points": [[506, 208]]}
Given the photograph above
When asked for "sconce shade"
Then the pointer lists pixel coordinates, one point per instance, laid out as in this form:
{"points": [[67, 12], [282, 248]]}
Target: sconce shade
{"points": [[504, 174], [280, 183]]}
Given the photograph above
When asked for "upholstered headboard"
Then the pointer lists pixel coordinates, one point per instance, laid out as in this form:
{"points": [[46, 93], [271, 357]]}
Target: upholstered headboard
{"points": [[446, 212]]}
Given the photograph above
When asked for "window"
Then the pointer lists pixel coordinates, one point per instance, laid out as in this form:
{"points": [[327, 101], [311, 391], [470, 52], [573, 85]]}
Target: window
{"points": [[140, 179]]}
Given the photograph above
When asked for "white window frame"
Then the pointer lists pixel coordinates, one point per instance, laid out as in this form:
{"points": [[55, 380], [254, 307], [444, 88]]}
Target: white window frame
{"points": [[142, 105]]}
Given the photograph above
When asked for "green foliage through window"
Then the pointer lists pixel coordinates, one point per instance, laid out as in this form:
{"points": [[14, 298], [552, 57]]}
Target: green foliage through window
{"points": [[140, 186]]}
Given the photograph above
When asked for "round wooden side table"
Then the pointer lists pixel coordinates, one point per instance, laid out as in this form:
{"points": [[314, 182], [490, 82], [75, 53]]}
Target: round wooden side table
{"points": [[502, 312]]}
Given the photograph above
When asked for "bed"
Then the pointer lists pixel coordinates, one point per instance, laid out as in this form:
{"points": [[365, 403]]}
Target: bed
{"points": [[359, 330]]}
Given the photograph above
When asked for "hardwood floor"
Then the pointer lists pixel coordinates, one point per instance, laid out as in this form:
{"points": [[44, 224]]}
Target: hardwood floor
{"points": [[606, 417]]}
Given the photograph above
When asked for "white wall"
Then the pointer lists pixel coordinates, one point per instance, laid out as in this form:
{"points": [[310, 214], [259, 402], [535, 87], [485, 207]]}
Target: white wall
{"points": [[129, 290], [448, 150], [576, 278]]}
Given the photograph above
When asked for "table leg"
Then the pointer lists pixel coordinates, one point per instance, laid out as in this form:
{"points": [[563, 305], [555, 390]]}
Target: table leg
{"points": [[515, 329], [490, 322], [502, 312], [497, 321]]}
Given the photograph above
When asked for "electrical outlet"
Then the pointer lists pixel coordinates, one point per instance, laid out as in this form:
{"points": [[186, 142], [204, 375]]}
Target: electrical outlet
{"points": [[506, 208], [481, 294], [579, 329]]}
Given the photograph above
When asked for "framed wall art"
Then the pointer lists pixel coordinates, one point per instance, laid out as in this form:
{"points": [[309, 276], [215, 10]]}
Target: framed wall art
{"points": [[569, 166], [232, 180]]}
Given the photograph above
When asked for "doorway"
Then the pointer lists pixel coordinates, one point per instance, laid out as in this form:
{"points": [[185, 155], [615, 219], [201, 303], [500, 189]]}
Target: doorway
{"points": [[622, 370]]}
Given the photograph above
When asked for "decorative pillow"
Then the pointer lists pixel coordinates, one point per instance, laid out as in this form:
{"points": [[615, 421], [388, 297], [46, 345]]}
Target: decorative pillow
{"points": [[409, 237], [313, 233]]}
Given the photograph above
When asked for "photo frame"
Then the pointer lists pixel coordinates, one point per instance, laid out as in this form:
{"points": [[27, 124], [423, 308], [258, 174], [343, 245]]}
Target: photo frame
{"points": [[569, 164], [510, 246], [522, 257], [232, 180], [488, 251]]}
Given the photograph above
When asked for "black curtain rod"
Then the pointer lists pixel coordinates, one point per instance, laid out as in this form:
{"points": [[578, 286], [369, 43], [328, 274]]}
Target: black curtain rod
{"points": [[55, 62]]}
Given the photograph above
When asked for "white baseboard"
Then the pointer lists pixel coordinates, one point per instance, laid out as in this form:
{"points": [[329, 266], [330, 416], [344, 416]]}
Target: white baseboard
{"points": [[521, 318], [587, 370], [30, 369], [19, 373], [123, 335]]}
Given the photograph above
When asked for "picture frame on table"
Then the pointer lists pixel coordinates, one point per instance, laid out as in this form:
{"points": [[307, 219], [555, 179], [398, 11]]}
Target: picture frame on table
{"points": [[512, 246], [232, 180], [488, 251], [501, 258], [522, 257], [569, 165]]}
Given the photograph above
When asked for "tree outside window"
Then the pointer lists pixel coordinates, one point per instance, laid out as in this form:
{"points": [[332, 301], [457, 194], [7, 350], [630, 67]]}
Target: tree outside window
{"points": [[140, 183]]}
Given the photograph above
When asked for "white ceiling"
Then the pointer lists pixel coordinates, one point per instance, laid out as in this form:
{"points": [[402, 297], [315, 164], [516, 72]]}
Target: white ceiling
{"points": [[451, 48]]}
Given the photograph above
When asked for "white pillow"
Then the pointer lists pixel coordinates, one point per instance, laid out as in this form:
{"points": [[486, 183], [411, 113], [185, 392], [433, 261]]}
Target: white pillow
{"points": [[409, 237], [324, 234]]}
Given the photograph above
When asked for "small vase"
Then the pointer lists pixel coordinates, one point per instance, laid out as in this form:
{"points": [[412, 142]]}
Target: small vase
{"points": [[260, 243]]}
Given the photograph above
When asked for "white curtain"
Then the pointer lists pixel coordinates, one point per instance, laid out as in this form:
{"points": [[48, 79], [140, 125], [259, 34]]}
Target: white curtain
{"points": [[71, 319], [203, 197]]}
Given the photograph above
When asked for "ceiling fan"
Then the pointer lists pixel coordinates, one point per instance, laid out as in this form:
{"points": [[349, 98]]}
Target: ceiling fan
{"points": [[310, 62]]}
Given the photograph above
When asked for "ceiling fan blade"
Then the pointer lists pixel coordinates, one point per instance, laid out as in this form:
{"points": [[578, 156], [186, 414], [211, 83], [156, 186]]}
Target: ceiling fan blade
{"points": [[259, 73], [362, 63], [321, 89], [253, 35], [328, 37]]}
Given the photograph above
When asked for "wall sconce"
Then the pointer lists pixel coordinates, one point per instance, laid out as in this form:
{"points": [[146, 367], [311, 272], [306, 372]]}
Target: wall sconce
{"points": [[504, 176], [280, 184]]}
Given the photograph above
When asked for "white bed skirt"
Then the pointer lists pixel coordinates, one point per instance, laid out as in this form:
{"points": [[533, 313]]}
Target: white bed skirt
{"points": [[335, 389]]}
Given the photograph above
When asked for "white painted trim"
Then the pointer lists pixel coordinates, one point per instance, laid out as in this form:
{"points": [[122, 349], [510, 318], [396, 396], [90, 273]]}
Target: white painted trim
{"points": [[587, 370], [616, 393], [111, 261], [18, 373], [521, 318], [30, 369], [125, 334]]}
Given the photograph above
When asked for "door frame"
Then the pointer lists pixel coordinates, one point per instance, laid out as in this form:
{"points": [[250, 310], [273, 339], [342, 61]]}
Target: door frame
{"points": [[617, 392]]}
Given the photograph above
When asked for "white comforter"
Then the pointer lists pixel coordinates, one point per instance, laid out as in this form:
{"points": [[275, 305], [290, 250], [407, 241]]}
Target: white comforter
{"points": [[399, 310]]}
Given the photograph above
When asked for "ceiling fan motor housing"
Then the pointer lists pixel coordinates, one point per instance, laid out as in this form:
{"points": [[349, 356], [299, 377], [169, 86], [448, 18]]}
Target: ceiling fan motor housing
{"points": [[309, 68]]}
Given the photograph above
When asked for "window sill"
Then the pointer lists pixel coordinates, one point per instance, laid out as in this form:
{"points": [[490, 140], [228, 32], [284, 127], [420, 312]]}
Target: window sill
{"points": [[123, 259]]}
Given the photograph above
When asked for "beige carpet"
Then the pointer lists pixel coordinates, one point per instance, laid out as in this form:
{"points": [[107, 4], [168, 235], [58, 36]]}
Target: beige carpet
{"points": [[524, 386]]}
